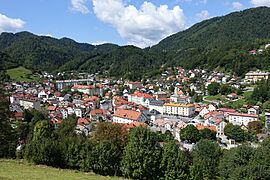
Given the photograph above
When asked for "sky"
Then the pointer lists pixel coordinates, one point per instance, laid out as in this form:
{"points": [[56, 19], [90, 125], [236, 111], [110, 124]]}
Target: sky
{"points": [[124, 22]]}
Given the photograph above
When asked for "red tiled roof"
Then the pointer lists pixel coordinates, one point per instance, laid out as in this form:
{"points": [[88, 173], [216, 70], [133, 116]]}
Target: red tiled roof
{"points": [[95, 112], [244, 115], [201, 126], [83, 87], [83, 121], [227, 110], [138, 94], [134, 124], [51, 108], [127, 114], [18, 114], [135, 82]]}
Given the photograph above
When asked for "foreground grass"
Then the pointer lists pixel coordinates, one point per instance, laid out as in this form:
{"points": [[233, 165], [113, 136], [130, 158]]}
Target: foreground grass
{"points": [[22, 74], [21, 170]]}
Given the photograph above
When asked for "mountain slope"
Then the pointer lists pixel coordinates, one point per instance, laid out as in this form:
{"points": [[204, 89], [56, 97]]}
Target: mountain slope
{"points": [[43, 52], [208, 42], [221, 42]]}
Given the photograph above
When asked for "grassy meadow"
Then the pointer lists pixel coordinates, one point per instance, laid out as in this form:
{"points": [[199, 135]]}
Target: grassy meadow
{"points": [[21, 170], [21, 74]]}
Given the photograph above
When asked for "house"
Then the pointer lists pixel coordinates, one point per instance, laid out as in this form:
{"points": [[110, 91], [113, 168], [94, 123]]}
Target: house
{"points": [[253, 52], [177, 130], [78, 112], [83, 121], [226, 111], [241, 118], [19, 115], [32, 103], [179, 109], [88, 89], [56, 121], [64, 112], [220, 125], [232, 96], [83, 129], [128, 116], [205, 110], [254, 76], [213, 116], [254, 110], [43, 95], [129, 126], [99, 114], [139, 98], [160, 95], [202, 126], [51, 109], [155, 105], [134, 85], [180, 98], [92, 101], [267, 119]]}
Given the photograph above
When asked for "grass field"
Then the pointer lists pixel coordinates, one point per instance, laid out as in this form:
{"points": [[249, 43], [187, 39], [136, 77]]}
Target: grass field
{"points": [[20, 74], [230, 104], [21, 170]]}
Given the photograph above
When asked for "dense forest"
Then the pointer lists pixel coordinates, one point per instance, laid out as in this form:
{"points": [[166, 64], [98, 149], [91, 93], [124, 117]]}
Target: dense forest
{"points": [[221, 42]]}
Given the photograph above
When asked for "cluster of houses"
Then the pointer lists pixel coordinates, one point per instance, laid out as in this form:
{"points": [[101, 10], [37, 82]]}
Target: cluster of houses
{"points": [[159, 104]]}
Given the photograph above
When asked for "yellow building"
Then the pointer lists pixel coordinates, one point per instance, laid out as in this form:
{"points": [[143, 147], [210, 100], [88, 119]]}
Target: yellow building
{"points": [[179, 109]]}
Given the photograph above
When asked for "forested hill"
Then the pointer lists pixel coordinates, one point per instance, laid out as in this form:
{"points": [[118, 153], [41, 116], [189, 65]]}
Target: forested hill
{"points": [[46, 53], [221, 42]]}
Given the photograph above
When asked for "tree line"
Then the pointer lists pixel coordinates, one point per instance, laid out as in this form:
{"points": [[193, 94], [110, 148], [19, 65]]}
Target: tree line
{"points": [[136, 154]]}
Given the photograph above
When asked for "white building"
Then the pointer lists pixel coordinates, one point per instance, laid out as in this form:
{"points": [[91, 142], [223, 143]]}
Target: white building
{"points": [[139, 98], [43, 95], [254, 110], [30, 104], [134, 85], [128, 116], [78, 112], [156, 105], [204, 111], [241, 119], [220, 125], [90, 90], [179, 109], [64, 113], [254, 76]]}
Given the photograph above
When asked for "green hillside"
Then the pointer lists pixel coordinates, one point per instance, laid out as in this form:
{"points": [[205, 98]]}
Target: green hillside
{"points": [[45, 53], [221, 42], [22, 74], [20, 170]]}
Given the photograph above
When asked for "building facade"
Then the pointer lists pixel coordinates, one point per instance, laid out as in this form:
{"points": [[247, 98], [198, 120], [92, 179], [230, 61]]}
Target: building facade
{"points": [[241, 119], [179, 109], [128, 116]]}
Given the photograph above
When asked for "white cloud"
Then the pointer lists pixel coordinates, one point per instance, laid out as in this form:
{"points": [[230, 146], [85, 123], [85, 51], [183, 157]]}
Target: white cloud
{"points": [[48, 35], [79, 6], [141, 27], [203, 15], [260, 3], [203, 1], [10, 24], [99, 43], [237, 6]]}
